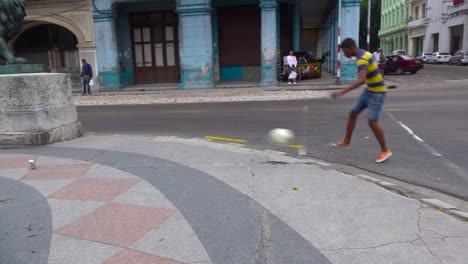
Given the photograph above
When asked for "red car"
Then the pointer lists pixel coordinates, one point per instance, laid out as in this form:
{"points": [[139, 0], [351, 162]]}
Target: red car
{"points": [[400, 64]]}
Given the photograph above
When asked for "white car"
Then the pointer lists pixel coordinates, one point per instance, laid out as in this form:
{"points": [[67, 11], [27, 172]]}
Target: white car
{"points": [[440, 57], [399, 52], [425, 56]]}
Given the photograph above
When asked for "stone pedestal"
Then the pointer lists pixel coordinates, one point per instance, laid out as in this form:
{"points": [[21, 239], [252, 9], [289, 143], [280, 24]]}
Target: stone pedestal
{"points": [[22, 68], [37, 109]]}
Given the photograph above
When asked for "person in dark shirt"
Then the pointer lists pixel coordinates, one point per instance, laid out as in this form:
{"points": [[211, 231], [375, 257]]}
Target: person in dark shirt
{"points": [[86, 76]]}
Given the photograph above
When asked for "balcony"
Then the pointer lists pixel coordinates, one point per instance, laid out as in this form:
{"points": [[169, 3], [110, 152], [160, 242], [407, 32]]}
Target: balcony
{"points": [[417, 23], [458, 6]]}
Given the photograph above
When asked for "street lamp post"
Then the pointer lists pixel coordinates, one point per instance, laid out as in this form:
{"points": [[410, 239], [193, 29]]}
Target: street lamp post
{"points": [[338, 64], [368, 24]]}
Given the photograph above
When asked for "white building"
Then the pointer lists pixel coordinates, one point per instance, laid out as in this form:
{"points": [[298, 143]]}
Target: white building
{"points": [[447, 25], [416, 26]]}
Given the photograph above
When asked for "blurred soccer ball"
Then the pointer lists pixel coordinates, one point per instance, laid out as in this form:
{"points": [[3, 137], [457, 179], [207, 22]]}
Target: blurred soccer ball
{"points": [[280, 137]]}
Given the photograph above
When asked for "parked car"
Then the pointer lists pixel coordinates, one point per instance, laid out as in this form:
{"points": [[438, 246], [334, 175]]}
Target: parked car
{"points": [[460, 57], [400, 64], [399, 52], [425, 56], [439, 57]]}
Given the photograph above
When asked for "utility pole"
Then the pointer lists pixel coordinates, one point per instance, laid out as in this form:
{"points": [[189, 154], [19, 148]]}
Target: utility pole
{"points": [[368, 24], [338, 64]]}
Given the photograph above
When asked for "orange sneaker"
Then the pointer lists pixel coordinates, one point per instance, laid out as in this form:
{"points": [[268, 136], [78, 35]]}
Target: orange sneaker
{"points": [[384, 156], [341, 144]]}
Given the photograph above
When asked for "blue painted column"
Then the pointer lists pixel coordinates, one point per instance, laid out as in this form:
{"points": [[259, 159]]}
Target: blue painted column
{"points": [[350, 14], [106, 45], [333, 41], [297, 27], [327, 50], [269, 43], [196, 44]]}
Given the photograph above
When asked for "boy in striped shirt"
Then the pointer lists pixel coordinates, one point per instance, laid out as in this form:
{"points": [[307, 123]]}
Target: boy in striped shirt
{"points": [[372, 98]]}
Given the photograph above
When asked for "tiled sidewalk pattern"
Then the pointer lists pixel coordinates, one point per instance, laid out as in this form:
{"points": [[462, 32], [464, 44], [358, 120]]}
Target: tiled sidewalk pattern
{"points": [[95, 213]]}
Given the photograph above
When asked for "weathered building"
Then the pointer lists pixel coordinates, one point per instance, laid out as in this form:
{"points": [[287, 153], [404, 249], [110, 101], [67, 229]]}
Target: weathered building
{"points": [[192, 43]]}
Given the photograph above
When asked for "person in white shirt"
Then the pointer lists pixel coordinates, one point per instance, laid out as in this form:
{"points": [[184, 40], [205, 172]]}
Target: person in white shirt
{"points": [[292, 65], [379, 57], [376, 55]]}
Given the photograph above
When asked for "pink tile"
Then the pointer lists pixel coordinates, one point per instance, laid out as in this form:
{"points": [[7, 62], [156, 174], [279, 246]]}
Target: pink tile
{"points": [[72, 171], [16, 162], [128, 256], [116, 224], [94, 189]]}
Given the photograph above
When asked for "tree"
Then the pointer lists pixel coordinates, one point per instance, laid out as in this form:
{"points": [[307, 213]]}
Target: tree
{"points": [[375, 24]]}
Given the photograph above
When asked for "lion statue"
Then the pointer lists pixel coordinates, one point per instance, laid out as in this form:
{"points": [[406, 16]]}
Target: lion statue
{"points": [[12, 13]]}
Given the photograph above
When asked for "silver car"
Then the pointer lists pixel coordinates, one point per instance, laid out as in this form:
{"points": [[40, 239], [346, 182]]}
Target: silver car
{"points": [[425, 56], [439, 58], [460, 57]]}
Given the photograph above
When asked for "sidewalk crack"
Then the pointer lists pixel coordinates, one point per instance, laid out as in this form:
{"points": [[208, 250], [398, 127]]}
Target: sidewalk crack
{"points": [[421, 208], [251, 191], [262, 255], [373, 247]]}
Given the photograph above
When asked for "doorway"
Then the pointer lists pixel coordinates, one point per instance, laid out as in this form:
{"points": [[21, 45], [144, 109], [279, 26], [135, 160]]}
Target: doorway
{"points": [[456, 38], [239, 34], [155, 44]]}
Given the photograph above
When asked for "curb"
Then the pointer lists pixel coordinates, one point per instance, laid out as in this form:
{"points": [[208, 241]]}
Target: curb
{"points": [[435, 203]]}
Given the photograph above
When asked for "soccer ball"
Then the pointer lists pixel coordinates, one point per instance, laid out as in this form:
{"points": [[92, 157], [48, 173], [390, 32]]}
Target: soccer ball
{"points": [[280, 137]]}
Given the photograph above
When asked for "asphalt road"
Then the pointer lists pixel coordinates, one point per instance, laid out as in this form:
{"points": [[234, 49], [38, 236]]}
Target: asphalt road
{"points": [[434, 156], [434, 73]]}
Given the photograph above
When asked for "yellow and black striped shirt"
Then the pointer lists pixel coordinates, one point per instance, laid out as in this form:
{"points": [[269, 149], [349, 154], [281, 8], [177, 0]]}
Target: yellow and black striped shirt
{"points": [[375, 81]]}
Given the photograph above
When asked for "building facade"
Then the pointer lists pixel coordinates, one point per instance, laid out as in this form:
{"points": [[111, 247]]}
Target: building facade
{"points": [[417, 26], [447, 26], [190, 43], [57, 33], [394, 25]]}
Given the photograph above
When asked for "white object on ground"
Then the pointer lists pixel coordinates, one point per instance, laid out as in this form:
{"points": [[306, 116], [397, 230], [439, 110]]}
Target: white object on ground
{"points": [[281, 137], [32, 164]]}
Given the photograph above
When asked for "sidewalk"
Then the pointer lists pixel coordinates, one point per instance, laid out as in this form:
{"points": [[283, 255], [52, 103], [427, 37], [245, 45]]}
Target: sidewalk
{"points": [[225, 92], [117, 199]]}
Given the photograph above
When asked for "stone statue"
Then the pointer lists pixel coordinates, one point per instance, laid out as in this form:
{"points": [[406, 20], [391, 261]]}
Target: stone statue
{"points": [[12, 15]]}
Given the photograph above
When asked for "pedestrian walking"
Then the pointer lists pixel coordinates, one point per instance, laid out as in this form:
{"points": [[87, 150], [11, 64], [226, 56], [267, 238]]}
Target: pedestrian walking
{"points": [[86, 76], [292, 68], [372, 98], [380, 58]]}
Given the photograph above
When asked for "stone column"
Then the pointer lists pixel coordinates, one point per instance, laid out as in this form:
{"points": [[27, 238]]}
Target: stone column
{"points": [[329, 44], [319, 48], [269, 35], [106, 45], [196, 44], [297, 27], [465, 34], [350, 14], [335, 41]]}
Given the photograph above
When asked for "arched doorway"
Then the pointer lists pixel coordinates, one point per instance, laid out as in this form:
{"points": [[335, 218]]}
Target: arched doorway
{"points": [[51, 45]]}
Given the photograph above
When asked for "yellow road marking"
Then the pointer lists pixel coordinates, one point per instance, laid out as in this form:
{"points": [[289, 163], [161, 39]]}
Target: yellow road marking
{"points": [[398, 109], [236, 140], [285, 110], [111, 113], [183, 111], [296, 146]]}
